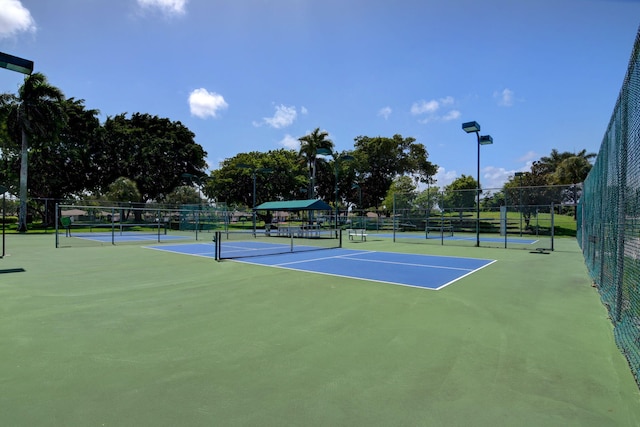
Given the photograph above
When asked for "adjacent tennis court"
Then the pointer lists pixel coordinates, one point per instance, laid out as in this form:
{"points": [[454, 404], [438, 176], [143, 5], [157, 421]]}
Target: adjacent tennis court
{"points": [[126, 237], [466, 238], [419, 271]]}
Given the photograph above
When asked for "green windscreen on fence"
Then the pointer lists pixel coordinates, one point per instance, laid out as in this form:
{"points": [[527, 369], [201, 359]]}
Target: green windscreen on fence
{"points": [[609, 216]]}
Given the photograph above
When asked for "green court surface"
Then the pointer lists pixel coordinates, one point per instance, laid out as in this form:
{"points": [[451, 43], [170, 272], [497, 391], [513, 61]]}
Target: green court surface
{"points": [[127, 336]]}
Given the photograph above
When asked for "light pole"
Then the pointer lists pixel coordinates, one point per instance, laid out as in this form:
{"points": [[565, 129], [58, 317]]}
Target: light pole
{"points": [[254, 171], [24, 66], [519, 175], [474, 127], [337, 161]]}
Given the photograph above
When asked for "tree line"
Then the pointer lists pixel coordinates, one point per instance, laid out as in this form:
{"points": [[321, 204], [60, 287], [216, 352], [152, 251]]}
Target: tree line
{"points": [[55, 149]]}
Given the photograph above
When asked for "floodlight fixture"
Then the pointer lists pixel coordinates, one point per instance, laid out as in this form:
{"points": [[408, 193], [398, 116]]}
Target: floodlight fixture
{"points": [[471, 127], [474, 127], [485, 140], [14, 63]]}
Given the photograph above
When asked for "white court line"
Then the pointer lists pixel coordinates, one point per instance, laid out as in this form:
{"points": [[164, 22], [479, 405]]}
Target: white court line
{"points": [[411, 264], [321, 258], [349, 256]]}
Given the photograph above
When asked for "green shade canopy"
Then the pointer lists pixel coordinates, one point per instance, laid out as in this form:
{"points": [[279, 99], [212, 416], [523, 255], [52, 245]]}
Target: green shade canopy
{"points": [[295, 205]]}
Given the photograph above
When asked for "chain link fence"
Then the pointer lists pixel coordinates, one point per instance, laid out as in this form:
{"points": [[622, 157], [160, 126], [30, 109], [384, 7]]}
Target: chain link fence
{"points": [[609, 216]]}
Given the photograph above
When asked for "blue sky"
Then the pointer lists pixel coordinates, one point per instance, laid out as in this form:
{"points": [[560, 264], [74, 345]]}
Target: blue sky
{"points": [[255, 75]]}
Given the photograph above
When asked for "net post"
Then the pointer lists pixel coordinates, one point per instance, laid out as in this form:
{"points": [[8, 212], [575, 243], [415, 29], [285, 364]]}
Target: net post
{"points": [[57, 228], [291, 233], [217, 244], [553, 211], [158, 220]]}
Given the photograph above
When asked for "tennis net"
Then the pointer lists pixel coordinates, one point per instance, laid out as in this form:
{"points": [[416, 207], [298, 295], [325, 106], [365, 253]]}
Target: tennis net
{"points": [[243, 244]]}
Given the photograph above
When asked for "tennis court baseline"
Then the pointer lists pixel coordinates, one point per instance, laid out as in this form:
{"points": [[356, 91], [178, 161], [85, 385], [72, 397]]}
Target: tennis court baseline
{"points": [[414, 270]]}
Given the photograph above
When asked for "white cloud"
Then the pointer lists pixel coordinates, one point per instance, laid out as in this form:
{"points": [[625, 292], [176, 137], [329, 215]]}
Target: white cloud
{"points": [[385, 112], [447, 100], [492, 177], [204, 103], [529, 156], [303, 110], [14, 19], [423, 106], [429, 110], [290, 142], [167, 7], [505, 97], [444, 177], [451, 115], [283, 117]]}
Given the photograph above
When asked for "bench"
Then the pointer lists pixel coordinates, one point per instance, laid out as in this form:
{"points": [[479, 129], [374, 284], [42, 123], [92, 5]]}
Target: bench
{"points": [[358, 233], [407, 226]]}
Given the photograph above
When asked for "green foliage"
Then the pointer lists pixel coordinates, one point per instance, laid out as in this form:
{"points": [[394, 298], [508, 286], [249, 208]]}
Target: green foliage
{"points": [[154, 152], [428, 199], [461, 193], [35, 114], [403, 192], [12, 219], [309, 146], [183, 195], [379, 160], [123, 190], [233, 184]]}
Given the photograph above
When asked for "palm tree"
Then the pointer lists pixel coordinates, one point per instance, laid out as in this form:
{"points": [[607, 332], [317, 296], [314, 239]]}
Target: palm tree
{"points": [[572, 170], [550, 164], [35, 112], [309, 146]]}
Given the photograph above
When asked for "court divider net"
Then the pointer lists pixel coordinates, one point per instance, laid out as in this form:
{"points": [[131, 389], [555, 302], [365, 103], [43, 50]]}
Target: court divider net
{"points": [[243, 244]]}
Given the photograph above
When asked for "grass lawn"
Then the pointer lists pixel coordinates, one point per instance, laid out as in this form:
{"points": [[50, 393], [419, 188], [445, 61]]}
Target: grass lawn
{"points": [[127, 336]]}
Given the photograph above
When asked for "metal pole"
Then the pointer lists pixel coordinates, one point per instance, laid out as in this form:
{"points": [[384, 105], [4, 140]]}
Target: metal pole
{"points": [[4, 220], [478, 196], [254, 202], [336, 191]]}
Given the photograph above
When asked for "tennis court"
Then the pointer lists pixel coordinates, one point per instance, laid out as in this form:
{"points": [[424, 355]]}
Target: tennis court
{"points": [[404, 269], [461, 237], [126, 237], [130, 336]]}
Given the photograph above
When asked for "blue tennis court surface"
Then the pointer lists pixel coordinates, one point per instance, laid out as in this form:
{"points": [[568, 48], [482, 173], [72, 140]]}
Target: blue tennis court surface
{"points": [[512, 240], [108, 237], [420, 271]]}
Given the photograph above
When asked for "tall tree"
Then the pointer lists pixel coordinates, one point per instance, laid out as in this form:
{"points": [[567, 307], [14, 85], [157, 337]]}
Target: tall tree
{"points": [[232, 183], [63, 165], [154, 152], [36, 112], [549, 164], [572, 170], [461, 193], [380, 159], [403, 192], [429, 198], [340, 167], [309, 146]]}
